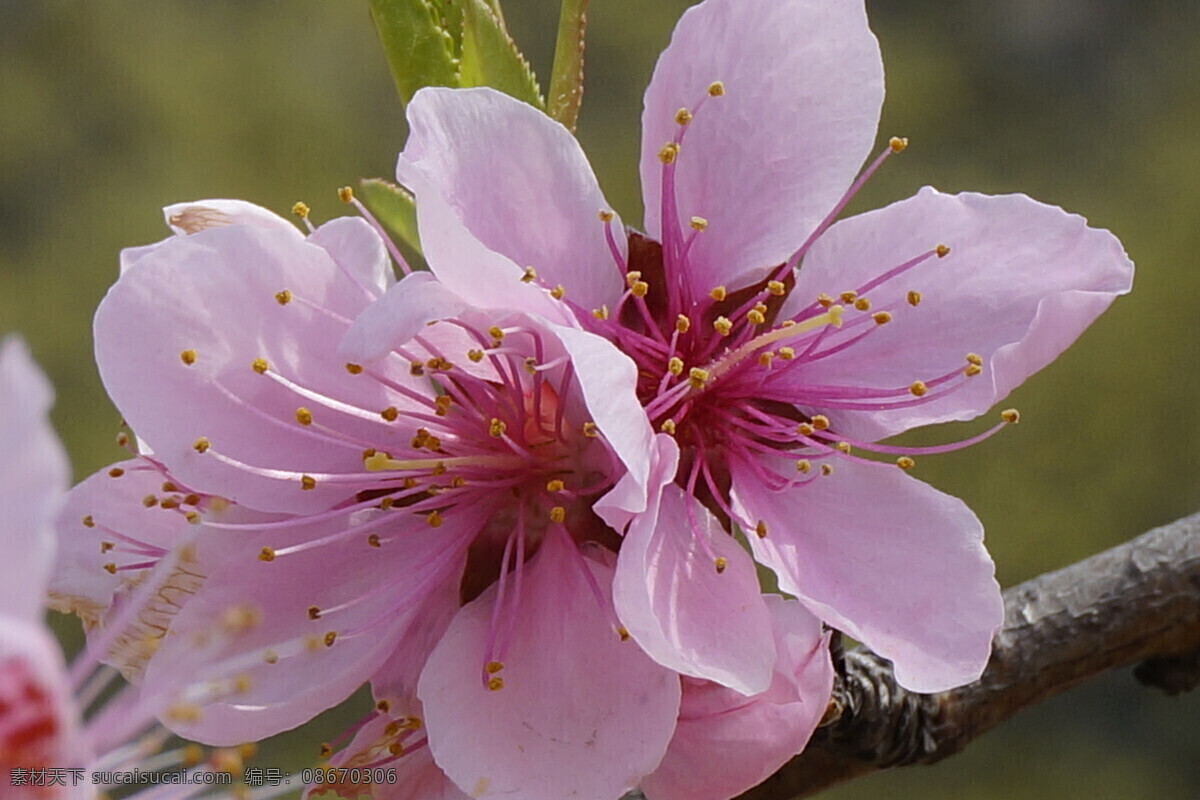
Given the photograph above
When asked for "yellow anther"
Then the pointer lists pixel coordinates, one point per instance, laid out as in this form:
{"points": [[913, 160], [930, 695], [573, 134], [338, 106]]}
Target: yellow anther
{"points": [[326, 749], [683, 116], [843, 447], [529, 275], [346, 194], [188, 357], [698, 224], [373, 540], [590, 430], [606, 215], [555, 485], [110, 568], [897, 143], [495, 683], [806, 429], [116, 472], [457, 482], [720, 562], [354, 369], [632, 277], [442, 404], [266, 554], [803, 465], [881, 317], [437, 362], [497, 427], [776, 288], [716, 89], [639, 288], [376, 462], [303, 416], [862, 304], [820, 422], [308, 483], [761, 529], [283, 298], [391, 413], [765, 358], [122, 439], [330, 638], [438, 469], [192, 755], [475, 356], [848, 297], [918, 388], [167, 486], [168, 503], [697, 377], [149, 501], [496, 332], [675, 365], [434, 518], [201, 445], [668, 153], [260, 365], [668, 427], [184, 712], [904, 462], [383, 707], [723, 326], [787, 353], [416, 369], [942, 251], [300, 209], [1011, 416], [558, 514], [914, 298], [558, 292], [601, 312], [623, 633], [755, 317], [971, 370], [493, 667], [826, 469], [824, 300], [682, 323], [718, 293], [107, 546], [192, 517], [314, 612]]}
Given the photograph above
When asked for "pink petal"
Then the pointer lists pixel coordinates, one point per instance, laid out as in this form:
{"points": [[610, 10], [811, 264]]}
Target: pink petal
{"points": [[625, 501], [250, 631], [581, 714], [889, 560], [357, 249], [765, 162], [515, 181], [80, 584], [398, 316], [608, 380], [184, 219], [1020, 284], [726, 743], [198, 215], [33, 479], [215, 294], [683, 613]]}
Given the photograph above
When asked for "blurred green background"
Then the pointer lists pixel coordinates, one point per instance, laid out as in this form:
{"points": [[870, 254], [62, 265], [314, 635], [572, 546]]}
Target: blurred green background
{"points": [[110, 110]]}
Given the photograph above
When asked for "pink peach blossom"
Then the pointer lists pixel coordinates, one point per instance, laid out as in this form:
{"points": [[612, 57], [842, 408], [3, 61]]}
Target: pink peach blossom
{"points": [[775, 345]]}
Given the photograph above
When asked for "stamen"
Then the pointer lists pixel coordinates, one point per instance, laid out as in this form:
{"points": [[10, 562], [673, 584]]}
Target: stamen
{"points": [[188, 357]]}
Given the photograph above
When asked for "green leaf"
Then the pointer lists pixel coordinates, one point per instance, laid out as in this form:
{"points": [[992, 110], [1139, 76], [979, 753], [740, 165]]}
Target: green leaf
{"points": [[566, 79], [396, 211], [490, 57], [419, 45]]}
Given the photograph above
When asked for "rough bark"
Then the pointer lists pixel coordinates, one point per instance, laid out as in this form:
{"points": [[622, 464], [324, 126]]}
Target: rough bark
{"points": [[1138, 603]]}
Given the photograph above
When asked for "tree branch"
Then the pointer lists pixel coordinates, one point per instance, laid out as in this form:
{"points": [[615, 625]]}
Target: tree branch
{"points": [[1138, 602]]}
